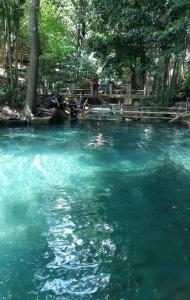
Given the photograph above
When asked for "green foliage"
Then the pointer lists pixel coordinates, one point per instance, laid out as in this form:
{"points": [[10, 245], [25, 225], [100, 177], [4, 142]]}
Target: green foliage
{"points": [[79, 37], [60, 58], [6, 94], [54, 32]]}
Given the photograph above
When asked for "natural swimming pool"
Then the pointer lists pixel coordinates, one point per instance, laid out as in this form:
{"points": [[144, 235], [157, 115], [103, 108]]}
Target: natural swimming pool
{"points": [[82, 219]]}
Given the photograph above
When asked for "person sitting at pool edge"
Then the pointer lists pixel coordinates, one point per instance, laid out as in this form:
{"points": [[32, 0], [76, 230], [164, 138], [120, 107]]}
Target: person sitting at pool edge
{"points": [[63, 105], [73, 114], [52, 101]]}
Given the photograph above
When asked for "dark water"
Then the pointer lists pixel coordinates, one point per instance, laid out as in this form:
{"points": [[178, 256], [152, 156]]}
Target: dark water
{"points": [[83, 217]]}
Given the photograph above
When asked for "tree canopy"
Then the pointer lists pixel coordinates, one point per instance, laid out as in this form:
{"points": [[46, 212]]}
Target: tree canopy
{"points": [[142, 42]]}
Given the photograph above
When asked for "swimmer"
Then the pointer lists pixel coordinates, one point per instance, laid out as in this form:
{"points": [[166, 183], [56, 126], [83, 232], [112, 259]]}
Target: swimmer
{"points": [[99, 141]]}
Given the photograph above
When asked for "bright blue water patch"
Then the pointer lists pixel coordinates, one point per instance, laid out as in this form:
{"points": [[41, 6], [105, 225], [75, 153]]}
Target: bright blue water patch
{"points": [[83, 217]]}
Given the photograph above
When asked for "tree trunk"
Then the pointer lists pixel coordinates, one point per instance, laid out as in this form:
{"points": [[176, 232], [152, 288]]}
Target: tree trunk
{"points": [[31, 95], [176, 77], [165, 78], [182, 72], [143, 79], [8, 42], [17, 32], [133, 78], [174, 80], [143, 71]]}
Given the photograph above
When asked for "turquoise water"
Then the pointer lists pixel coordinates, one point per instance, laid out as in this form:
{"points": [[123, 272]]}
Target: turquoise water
{"points": [[87, 218]]}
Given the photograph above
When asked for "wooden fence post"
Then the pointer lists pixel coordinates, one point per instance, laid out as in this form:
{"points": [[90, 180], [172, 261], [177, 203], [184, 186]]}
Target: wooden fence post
{"points": [[129, 90]]}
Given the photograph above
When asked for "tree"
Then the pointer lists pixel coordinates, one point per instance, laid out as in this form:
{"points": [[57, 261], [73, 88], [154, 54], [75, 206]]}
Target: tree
{"points": [[148, 38], [7, 22], [144, 41], [31, 95]]}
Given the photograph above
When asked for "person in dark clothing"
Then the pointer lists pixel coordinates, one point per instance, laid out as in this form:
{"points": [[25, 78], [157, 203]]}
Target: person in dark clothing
{"points": [[60, 98], [73, 113], [62, 103], [52, 102]]}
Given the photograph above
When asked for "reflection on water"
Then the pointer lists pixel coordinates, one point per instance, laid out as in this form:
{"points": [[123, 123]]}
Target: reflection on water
{"points": [[108, 222], [75, 267]]}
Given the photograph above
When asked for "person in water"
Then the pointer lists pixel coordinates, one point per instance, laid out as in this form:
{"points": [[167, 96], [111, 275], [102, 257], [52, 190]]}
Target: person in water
{"points": [[63, 105], [99, 141], [73, 113]]}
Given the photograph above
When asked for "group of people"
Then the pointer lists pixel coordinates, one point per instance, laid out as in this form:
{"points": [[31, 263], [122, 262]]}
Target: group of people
{"points": [[72, 109], [95, 84], [56, 101]]}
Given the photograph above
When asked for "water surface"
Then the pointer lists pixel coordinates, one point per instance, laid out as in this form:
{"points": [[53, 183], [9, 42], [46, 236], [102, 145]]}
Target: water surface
{"points": [[83, 219]]}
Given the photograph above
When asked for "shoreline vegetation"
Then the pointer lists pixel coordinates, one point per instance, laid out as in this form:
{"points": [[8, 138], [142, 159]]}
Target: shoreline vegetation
{"points": [[10, 117], [139, 49]]}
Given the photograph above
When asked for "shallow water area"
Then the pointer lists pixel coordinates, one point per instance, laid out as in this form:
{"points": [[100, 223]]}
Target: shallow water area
{"points": [[90, 217]]}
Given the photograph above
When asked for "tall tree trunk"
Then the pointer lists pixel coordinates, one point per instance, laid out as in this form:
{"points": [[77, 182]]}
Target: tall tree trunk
{"points": [[176, 77], [157, 82], [165, 78], [143, 72], [17, 32], [143, 79], [81, 31], [182, 72], [8, 42], [174, 80], [133, 78], [31, 95]]}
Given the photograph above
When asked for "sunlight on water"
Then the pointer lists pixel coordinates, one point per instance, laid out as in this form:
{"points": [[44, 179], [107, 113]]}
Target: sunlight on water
{"points": [[83, 217]]}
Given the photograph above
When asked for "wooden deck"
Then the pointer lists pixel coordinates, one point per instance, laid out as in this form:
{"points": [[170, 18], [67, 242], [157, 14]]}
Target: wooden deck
{"points": [[120, 92]]}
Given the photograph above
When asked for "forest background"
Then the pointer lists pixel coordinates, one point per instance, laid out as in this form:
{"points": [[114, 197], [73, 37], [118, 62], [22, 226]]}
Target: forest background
{"points": [[142, 42]]}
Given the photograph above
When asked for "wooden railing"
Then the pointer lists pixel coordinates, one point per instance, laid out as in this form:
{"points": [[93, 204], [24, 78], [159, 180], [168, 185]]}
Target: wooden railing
{"points": [[117, 91], [121, 111], [156, 112]]}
